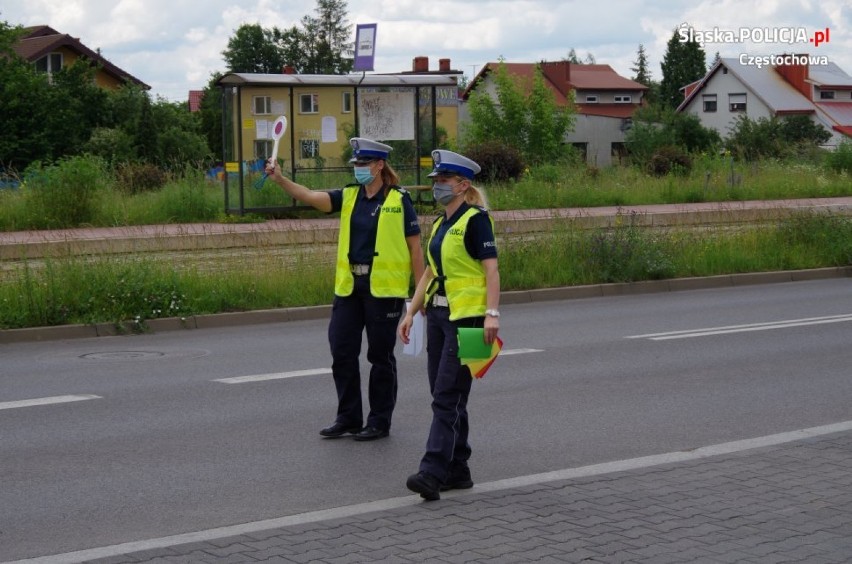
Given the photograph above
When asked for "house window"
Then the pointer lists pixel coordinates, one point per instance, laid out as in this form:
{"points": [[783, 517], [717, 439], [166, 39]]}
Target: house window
{"points": [[261, 105], [50, 63], [591, 99], [709, 102], [262, 148], [347, 103], [737, 102], [309, 148], [309, 103], [826, 95], [624, 99]]}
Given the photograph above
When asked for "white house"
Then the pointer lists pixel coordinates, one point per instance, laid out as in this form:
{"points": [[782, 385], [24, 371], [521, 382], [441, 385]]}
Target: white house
{"points": [[605, 102], [795, 86]]}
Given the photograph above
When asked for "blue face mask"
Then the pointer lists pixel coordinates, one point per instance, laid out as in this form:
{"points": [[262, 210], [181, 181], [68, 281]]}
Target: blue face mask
{"points": [[362, 175]]}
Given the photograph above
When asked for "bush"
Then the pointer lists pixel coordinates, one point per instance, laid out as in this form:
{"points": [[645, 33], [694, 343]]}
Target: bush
{"points": [[840, 160], [499, 161], [65, 194], [627, 253], [113, 145], [134, 178], [670, 159]]}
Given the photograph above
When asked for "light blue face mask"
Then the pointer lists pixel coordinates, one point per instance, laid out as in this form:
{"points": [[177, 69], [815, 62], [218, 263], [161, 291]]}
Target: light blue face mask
{"points": [[362, 175], [443, 193]]}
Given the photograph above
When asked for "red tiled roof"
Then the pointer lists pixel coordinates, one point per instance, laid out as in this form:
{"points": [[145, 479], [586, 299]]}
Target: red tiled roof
{"points": [[195, 97], [844, 129], [562, 77]]}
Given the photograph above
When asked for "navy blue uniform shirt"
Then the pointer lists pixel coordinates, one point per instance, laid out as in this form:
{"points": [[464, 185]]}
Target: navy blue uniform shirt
{"points": [[365, 222], [478, 239]]}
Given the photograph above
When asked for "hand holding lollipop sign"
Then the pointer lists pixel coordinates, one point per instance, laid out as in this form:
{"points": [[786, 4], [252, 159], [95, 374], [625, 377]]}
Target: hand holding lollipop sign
{"points": [[279, 126]]}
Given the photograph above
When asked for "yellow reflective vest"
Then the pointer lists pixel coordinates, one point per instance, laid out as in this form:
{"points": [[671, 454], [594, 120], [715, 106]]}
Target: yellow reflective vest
{"points": [[391, 270], [464, 276]]}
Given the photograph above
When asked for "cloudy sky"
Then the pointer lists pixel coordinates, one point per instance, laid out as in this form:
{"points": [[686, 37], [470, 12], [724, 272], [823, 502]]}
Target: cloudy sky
{"points": [[175, 45]]}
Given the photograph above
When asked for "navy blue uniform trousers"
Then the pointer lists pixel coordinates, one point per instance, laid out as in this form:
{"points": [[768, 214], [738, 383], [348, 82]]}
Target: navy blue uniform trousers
{"points": [[350, 315], [447, 449]]}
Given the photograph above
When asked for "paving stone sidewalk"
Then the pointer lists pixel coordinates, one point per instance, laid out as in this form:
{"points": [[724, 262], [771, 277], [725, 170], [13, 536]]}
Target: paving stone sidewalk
{"points": [[790, 502]]}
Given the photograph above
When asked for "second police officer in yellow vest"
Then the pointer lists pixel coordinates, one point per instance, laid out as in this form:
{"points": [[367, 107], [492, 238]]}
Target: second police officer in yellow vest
{"points": [[378, 251], [460, 288]]}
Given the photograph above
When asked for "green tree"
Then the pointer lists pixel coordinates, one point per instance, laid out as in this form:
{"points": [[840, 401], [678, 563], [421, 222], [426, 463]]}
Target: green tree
{"points": [[24, 108], [641, 72], [774, 137], [524, 115], [683, 63], [252, 49], [574, 59], [211, 116], [146, 134], [655, 129], [327, 38]]}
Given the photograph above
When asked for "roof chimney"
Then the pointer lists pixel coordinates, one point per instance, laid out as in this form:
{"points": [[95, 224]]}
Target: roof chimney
{"points": [[288, 69], [444, 65], [421, 64], [794, 69]]}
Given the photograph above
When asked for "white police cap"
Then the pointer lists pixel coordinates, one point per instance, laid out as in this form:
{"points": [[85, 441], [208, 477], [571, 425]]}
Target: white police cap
{"points": [[364, 149], [448, 162]]}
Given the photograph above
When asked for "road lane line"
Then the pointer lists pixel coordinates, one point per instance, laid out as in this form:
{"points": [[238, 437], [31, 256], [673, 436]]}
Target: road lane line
{"points": [[318, 371], [519, 351], [414, 500], [703, 332], [46, 401], [276, 376]]}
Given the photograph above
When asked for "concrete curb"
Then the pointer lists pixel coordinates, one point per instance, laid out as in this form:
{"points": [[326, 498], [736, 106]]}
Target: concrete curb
{"points": [[235, 319]]}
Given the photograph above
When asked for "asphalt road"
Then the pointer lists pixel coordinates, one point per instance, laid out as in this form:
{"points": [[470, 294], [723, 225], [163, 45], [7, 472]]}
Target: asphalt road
{"points": [[146, 441]]}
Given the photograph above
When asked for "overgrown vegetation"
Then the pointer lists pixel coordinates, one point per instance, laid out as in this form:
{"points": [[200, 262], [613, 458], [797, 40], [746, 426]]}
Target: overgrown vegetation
{"points": [[142, 287], [84, 191], [524, 116]]}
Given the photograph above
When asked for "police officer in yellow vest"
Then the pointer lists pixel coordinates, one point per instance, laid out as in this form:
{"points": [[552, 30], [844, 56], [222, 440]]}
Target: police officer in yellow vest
{"points": [[378, 250], [461, 288]]}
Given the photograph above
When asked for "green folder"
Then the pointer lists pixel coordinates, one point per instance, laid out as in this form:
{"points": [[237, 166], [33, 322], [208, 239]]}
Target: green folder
{"points": [[472, 343]]}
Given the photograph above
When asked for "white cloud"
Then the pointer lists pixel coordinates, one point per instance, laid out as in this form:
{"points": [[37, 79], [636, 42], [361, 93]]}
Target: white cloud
{"points": [[175, 45]]}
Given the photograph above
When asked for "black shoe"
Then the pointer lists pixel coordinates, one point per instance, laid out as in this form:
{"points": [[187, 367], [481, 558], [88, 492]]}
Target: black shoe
{"points": [[371, 434], [459, 479], [339, 429], [425, 484]]}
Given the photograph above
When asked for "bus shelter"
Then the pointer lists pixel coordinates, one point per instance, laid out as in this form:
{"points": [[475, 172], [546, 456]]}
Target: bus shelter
{"points": [[413, 113]]}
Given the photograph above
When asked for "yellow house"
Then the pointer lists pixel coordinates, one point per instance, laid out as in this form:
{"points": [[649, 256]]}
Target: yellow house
{"points": [[50, 51]]}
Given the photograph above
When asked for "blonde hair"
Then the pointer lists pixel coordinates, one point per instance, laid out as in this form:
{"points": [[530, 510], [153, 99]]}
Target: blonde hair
{"points": [[476, 196]]}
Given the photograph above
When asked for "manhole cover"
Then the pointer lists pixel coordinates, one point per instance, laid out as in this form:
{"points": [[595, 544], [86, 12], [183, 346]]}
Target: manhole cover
{"points": [[160, 353], [123, 355]]}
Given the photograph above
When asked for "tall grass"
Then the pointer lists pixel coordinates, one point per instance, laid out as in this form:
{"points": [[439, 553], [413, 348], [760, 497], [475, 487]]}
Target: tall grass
{"points": [[82, 191], [141, 287], [712, 179]]}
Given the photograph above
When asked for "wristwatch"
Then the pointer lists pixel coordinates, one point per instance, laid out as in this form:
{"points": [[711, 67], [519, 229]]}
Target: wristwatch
{"points": [[492, 313]]}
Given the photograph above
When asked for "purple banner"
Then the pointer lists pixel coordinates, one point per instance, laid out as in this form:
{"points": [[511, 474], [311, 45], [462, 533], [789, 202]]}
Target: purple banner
{"points": [[365, 47]]}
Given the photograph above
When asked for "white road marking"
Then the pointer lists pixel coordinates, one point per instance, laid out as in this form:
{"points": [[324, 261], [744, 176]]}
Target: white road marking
{"points": [[413, 500], [785, 324], [276, 376], [519, 351], [317, 371], [46, 401]]}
